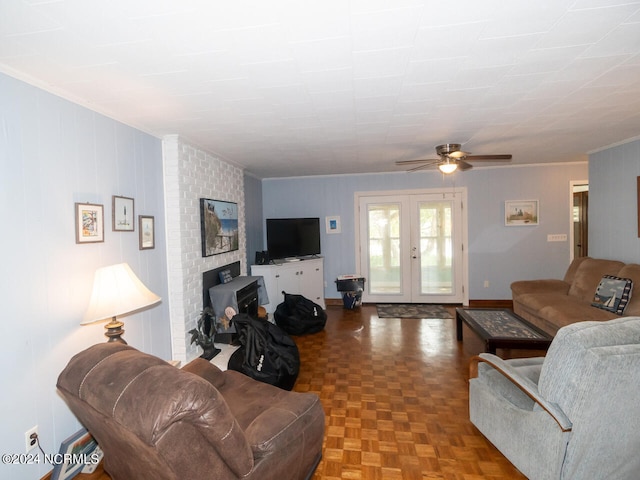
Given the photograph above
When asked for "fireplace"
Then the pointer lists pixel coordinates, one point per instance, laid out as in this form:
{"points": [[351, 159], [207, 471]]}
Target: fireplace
{"points": [[247, 298], [241, 293]]}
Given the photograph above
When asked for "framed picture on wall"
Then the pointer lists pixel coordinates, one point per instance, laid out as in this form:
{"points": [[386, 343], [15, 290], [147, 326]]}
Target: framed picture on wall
{"points": [[89, 223], [146, 232], [521, 213], [219, 226], [123, 214], [332, 224]]}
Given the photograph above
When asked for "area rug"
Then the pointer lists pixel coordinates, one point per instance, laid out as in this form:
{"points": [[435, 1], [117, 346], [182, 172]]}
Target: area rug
{"points": [[411, 310]]}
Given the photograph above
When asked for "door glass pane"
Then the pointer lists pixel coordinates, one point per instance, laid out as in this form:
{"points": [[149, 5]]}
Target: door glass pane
{"points": [[384, 248], [436, 252]]}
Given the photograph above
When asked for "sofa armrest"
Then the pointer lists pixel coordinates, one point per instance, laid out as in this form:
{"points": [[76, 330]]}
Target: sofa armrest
{"points": [[528, 387], [522, 287], [206, 370]]}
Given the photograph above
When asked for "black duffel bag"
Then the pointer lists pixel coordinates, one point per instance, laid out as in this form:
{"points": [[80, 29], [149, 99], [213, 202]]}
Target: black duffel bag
{"points": [[266, 353], [298, 315]]}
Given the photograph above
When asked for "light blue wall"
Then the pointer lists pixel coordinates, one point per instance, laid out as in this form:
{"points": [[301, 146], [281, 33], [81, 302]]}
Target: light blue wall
{"points": [[253, 216], [54, 153], [613, 203], [497, 253]]}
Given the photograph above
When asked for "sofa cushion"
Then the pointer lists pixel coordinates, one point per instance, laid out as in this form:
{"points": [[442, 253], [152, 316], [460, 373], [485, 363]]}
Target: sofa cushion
{"points": [[589, 274], [247, 398], [537, 301], [573, 268], [570, 311], [613, 294]]}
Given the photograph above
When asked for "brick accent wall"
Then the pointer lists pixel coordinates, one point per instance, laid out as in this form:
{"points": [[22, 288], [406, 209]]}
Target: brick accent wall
{"points": [[191, 174]]}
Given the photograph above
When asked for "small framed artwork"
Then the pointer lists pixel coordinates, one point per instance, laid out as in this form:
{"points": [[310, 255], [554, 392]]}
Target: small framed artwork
{"points": [[123, 214], [89, 223], [146, 232], [521, 212], [78, 453], [333, 224], [219, 226]]}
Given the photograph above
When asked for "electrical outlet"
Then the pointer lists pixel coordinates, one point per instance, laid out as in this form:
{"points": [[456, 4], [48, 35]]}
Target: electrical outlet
{"points": [[486, 284], [31, 443]]}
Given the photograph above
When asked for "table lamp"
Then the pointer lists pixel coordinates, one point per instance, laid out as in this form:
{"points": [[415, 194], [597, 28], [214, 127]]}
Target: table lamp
{"points": [[117, 291]]}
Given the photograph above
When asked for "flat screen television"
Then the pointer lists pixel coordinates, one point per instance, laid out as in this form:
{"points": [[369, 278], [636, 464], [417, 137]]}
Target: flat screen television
{"points": [[293, 237]]}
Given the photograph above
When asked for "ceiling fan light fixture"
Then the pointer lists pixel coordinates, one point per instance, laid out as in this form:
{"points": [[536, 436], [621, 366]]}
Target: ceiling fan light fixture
{"points": [[447, 166], [458, 154]]}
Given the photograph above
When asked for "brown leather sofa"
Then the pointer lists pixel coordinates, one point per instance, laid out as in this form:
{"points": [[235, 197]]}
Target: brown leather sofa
{"points": [[552, 303], [155, 421]]}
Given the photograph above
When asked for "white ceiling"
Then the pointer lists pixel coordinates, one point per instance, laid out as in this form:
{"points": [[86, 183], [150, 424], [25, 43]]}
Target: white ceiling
{"points": [[294, 87]]}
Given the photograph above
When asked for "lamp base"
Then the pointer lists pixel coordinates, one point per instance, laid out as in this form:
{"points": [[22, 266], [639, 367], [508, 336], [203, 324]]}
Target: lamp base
{"points": [[114, 331]]}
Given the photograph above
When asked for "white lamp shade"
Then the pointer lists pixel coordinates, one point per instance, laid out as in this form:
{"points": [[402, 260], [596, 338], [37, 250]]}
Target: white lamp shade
{"points": [[117, 291]]}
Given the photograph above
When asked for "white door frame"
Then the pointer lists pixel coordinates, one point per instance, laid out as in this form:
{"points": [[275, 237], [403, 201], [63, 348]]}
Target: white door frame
{"points": [[465, 237]]}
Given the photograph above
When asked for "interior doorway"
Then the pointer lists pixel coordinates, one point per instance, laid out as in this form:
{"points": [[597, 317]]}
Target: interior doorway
{"points": [[580, 219]]}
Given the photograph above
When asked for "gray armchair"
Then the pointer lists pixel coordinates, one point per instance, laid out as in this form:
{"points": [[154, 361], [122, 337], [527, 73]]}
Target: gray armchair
{"points": [[574, 414]]}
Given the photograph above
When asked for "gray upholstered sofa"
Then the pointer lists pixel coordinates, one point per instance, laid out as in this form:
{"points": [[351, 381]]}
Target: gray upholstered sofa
{"points": [[572, 415], [552, 303]]}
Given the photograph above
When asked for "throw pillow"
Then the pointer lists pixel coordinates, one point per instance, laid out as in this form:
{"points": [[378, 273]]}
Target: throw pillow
{"points": [[225, 276], [613, 294]]}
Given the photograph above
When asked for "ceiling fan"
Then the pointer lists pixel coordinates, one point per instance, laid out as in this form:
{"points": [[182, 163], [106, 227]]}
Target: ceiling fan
{"points": [[451, 158]]}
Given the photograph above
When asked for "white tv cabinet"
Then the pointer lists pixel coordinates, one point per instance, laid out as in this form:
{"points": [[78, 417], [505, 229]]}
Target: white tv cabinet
{"points": [[304, 277]]}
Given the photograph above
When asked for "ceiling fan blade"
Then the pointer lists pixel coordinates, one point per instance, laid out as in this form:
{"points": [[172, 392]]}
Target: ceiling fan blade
{"points": [[489, 158], [414, 162], [462, 165], [422, 167]]}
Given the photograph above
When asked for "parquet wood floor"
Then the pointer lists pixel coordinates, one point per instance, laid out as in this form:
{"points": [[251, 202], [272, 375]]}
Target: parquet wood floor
{"points": [[395, 393]]}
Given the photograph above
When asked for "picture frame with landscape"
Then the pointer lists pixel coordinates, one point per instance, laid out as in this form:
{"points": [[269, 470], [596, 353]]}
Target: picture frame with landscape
{"points": [[521, 213], [219, 226]]}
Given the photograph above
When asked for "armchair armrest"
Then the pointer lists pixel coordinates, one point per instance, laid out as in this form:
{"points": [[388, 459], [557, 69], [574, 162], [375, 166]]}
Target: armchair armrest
{"points": [[283, 424], [528, 387]]}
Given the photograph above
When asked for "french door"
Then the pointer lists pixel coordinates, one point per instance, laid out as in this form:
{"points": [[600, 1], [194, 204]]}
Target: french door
{"points": [[411, 246]]}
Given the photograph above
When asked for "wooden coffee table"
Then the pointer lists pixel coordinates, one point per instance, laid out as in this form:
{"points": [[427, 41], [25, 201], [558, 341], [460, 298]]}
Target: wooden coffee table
{"points": [[501, 328]]}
